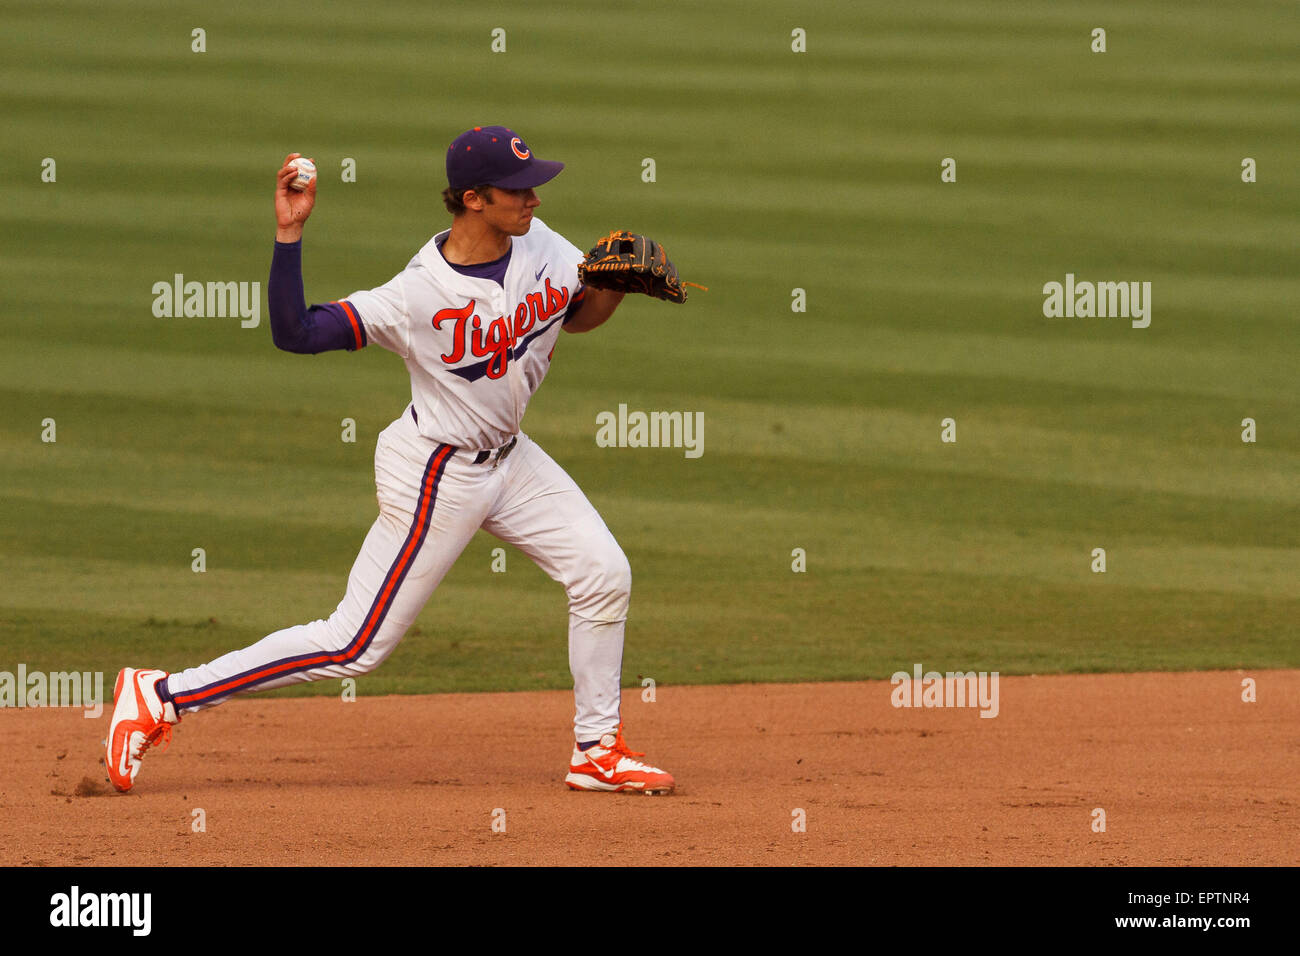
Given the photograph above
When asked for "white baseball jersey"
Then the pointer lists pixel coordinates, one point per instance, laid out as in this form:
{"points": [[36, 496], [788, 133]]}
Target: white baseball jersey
{"points": [[476, 351]]}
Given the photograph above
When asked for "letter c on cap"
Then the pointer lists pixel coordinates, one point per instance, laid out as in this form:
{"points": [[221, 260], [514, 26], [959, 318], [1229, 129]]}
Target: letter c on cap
{"points": [[514, 146]]}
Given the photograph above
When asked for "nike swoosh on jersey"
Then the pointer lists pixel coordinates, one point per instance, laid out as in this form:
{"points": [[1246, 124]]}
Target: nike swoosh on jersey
{"points": [[540, 271]]}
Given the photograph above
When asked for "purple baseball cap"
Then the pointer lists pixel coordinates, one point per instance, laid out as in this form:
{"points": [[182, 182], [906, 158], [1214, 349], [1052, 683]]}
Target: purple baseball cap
{"points": [[496, 156]]}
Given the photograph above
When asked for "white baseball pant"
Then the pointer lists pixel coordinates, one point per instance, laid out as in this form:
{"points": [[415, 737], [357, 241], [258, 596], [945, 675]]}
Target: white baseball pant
{"points": [[432, 498]]}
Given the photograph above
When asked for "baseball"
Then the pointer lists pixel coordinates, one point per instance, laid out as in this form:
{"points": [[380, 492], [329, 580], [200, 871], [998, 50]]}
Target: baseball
{"points": [[306, 174]]}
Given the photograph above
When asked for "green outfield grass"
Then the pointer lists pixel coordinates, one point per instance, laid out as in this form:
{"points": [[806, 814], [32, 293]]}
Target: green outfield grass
{"points": [[775, 171]]}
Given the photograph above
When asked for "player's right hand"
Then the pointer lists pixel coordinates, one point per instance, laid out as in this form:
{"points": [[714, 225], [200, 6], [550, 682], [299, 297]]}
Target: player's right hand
{"points": [[291, 207]]}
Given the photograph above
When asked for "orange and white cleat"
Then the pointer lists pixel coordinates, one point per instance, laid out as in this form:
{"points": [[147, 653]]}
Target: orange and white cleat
{"points": [[608, 765], [140, 719]]}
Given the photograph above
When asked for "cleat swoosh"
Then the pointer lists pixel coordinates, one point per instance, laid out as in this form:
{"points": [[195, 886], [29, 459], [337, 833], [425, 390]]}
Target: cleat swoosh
{"points": [[607, 774]]}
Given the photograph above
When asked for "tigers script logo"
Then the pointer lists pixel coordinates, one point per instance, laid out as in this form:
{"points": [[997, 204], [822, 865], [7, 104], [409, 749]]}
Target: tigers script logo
{"points": [[503, 339]]}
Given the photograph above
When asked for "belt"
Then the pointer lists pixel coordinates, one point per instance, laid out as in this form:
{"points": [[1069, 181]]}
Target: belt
{"points": [[497, 455]]}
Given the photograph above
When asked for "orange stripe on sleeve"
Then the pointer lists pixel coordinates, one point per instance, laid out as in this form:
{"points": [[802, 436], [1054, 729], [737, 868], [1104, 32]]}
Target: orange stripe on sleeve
{"points": [[356, 323]]}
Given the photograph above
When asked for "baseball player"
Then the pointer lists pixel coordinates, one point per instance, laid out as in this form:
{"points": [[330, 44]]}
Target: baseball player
{"points": [[476, 315]]}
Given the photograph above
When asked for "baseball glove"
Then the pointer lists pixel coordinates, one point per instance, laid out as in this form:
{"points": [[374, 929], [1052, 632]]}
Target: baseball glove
{"points": [[625, 262]]}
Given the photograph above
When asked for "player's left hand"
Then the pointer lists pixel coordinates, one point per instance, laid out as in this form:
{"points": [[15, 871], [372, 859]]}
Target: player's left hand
{"points": [[625, 262]]}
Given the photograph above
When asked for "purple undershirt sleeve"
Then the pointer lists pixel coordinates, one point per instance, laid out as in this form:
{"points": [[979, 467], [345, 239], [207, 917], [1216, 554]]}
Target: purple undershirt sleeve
{"points": [[296, 328]]}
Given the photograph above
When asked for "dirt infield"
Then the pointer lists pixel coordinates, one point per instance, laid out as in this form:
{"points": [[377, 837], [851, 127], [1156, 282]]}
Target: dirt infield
{"points": [[1186, 772]]}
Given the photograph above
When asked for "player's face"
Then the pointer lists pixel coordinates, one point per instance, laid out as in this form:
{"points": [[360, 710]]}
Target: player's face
{"points": [[511, 210]]}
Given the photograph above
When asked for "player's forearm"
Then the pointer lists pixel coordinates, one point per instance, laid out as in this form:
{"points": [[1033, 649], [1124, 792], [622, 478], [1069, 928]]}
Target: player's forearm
{"points": [[284, 295], [596, 307], [294, 327]]}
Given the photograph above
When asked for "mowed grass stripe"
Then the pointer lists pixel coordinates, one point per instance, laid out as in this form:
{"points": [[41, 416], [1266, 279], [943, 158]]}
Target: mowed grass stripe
{"points": [[904, 617], [1003, 430], [166, 523], [257, 601], [1056, 554], [318, 382]]}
